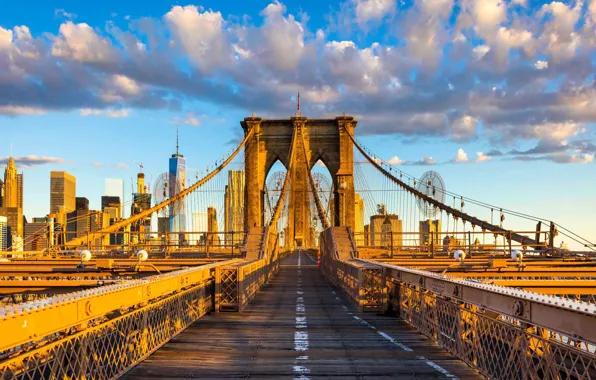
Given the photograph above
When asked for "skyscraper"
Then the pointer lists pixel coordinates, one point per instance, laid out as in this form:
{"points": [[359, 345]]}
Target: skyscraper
{"points": [[114, 187], [3, 233], [20, 185], [428, 227], [1, 193], [63, 189], [212, 226], [11, 184], [141, 202], [234, 204], [10, 205], [177, 169]]}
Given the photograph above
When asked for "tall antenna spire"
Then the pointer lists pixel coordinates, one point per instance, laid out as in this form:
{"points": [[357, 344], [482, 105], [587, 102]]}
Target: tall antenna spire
{"points": [[298, 102], [176, 139]]}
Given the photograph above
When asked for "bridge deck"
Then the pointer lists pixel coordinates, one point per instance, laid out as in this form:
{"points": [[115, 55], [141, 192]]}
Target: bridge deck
{"points": [[300, 327]]}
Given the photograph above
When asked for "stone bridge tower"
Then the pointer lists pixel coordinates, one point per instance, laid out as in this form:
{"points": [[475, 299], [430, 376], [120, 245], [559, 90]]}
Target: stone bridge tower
{"points": [[326, 140]]}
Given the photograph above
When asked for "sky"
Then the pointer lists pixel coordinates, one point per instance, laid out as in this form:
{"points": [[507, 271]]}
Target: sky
{"points": [[498, 97]]}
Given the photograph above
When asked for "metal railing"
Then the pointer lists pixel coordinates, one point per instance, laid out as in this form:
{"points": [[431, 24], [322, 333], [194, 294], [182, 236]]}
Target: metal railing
{"points": [[437, 244], [102, 332], [504, 333]]}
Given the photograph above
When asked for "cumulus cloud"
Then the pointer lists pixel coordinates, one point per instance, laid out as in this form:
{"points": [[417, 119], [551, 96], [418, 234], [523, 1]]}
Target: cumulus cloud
{"points": [[460, 156], [481, 157], [200, 35], [395, 161], [367, 10], [113, 113], [424, 161], [429, 79], [541, 65], [32, 160], [79, 42]]}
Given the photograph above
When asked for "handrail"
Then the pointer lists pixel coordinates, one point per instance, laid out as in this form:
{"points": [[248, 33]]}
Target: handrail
{"points": [[575, 319], [35, 320]]}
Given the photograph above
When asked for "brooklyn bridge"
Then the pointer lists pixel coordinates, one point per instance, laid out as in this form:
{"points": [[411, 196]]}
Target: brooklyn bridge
{"points": [[364, 272]]}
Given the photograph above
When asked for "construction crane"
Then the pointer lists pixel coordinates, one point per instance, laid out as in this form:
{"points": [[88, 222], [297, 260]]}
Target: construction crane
{"points": [[140, 166]]}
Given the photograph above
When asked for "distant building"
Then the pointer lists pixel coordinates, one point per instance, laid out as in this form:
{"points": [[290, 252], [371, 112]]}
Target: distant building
{"points": [[163, 225], [358, 220], [428, 227], [36, 235], [13, 196], [111, 201], [114, 187], [199, 224], [141, 202], [3, 233], [212, 226], [385, 230], [366, 235], [1, 192], [63, 189], [20, 184], [177, 169], [234, 204]]}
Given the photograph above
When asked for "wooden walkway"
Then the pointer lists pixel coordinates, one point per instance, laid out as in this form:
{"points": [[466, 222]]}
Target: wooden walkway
{"points": [[300, 327]]}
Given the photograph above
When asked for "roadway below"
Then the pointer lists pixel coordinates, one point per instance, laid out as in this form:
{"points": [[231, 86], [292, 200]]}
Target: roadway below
{"points": [[300, 327]]}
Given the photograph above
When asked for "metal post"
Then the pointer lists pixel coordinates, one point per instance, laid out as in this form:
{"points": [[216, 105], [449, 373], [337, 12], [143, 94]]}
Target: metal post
{"points": [[391, 235], [470, 243], [551, 236]]}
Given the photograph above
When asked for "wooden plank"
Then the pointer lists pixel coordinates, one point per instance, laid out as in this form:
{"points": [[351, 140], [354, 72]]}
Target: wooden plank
{"points": [[261, 341]]}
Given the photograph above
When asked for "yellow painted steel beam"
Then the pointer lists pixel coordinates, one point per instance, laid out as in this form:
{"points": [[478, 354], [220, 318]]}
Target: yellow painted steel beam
{"points": [[35, 320], [569, 317], [135, 218], [24, 284]]}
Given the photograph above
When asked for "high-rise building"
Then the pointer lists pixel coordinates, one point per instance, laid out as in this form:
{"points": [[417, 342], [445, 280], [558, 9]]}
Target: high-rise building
{"points": [[63, 189], [212, 226], [20, 184], [10, 205], [358, 220], [177, 170], [114, 187], [383, 227], [234, 204], [36, 235], [391, 232], [428, 227], [1, 192], [199, 224], [111, 201], [141, 202], [3, 233]]}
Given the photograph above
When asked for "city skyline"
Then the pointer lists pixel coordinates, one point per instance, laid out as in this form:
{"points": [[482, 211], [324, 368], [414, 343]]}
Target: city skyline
{"points": [[492, 103]]}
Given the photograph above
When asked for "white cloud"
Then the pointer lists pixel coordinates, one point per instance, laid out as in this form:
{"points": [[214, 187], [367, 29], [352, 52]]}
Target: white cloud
{"points": [[480, 51], [20, 110], [79, 42], [62, 13], [395, 161], [5, 38], [464, 128], [541, 65], [126, 85], [113, 113], [281, 41], [461, 156], [191, 119], [559, 31], [481, 157], [200, 35], [367, 10]]}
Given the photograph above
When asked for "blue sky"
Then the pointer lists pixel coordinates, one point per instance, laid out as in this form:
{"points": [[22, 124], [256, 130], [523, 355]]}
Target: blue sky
{"points": [[500, 94]]}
